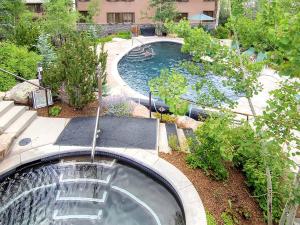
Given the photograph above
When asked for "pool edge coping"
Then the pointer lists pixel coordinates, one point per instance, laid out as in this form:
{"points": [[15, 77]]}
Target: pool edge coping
{"points": [[191, 202]]}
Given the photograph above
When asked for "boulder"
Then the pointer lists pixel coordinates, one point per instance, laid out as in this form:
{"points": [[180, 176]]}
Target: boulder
{"points": [[2, 94], [5, 142], [140, 111], [20, 92], [185, 122]]}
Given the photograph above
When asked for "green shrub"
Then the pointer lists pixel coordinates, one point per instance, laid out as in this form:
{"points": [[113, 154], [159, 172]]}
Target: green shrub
{"points": [[227, 219], [211, 148], [173, 142], [124, 35], [210, 219], [55, 111], [166, 118], [252, 159], [17, 60], [6, 81], [221, 32], [120, 109], [75, 70]]}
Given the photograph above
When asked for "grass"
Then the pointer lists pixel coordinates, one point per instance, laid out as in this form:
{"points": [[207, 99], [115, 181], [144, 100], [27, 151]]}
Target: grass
{"points": [[124, 35]]}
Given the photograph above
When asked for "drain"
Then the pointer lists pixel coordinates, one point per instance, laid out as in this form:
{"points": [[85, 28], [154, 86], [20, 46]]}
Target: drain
{"points": [[25, 141]]}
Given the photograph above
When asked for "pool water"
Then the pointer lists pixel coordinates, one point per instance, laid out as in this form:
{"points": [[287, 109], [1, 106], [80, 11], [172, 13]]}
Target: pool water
{"points": [[80, 193], [137, 73]]}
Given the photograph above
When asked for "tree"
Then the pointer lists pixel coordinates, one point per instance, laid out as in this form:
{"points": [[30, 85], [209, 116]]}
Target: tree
{"points": [[164, 10], [170, 86], [75, 69], [10, 11], [59, 17]]}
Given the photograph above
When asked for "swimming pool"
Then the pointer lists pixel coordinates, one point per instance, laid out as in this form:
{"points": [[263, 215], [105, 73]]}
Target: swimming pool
{"points": [[73, 191], [137, 73]]}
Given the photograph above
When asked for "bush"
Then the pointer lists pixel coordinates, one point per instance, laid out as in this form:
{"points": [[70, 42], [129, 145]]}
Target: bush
{"points": [[17, 60], [75, 69], [173, 142], [210, 219], [252, 159], [221, 32], [166, 118], [210, 147], [55, 111], [124, 35]]}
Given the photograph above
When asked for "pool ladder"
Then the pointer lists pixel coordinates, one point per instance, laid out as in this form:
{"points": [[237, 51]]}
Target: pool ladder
{"points": [[73, 177]]}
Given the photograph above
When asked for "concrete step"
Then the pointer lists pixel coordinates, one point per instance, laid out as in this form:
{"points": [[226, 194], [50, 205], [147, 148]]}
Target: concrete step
{"points": [[10, 117], [21, 123], [5, 106], [163, 139]]}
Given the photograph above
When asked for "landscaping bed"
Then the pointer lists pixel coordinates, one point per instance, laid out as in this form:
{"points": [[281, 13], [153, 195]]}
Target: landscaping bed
{"points": [[216, 195], [69, 112]]}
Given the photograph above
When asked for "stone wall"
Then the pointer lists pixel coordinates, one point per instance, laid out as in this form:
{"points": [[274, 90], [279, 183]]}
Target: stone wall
{"points": [[107, 29]]}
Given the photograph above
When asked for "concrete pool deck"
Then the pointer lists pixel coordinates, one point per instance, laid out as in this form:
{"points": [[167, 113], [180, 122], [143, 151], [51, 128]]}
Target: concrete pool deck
{"points": [[117, 86]]}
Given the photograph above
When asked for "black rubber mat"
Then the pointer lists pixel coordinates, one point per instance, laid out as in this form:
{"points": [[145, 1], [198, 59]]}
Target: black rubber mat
{"points": [[119, 132]]}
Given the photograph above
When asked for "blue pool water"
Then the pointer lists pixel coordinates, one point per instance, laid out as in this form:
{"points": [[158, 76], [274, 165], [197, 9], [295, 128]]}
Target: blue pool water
{"points": [[167, 55]]}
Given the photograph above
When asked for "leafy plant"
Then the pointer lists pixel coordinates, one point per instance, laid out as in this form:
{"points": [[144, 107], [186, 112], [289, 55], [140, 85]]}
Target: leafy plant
{"points": [[170, 86], [17, 60], [210, 219], [55, 111], [211, 147], [221, 32], [166, 118], [164, 10], [119, 109], [173, 142]]}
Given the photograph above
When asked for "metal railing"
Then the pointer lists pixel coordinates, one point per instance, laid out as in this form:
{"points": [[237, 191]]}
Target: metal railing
{"points": [[27, 81], [95, 136]]}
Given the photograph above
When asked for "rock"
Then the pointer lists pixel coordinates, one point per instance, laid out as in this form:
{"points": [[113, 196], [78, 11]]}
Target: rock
{"points": [[5, 142], [2, 94], [20, 92], [140, 111], [185, 122]]}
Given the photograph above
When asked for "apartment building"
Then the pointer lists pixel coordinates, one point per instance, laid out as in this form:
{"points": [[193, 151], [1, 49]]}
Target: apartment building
{"points": [[133, 11]]}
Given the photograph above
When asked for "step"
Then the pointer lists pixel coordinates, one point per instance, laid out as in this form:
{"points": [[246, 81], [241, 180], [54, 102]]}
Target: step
{"points": [[5, 106], [75, 214], [63, 179], [100, 163], [10, 117], [163, 139], [81, 190], [101, 200], [21, 123]]}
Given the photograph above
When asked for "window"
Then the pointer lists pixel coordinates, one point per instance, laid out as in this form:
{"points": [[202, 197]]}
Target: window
{"points": [[181, 16], [83, 16], [209, 13], [37, 7], [119, 0], [120, 18], [182, 0]]}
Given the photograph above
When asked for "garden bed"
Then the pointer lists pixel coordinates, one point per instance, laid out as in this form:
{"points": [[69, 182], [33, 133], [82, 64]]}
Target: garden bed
{"points": [[69, 112], [215, 195]]}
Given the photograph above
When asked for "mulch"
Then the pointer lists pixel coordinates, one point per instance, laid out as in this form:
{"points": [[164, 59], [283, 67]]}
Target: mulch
{"points": [[70, 112], [216, 194]]}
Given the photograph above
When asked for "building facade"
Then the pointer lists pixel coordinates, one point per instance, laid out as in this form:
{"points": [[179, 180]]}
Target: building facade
{"points": [[139, 12], [132, 11]]}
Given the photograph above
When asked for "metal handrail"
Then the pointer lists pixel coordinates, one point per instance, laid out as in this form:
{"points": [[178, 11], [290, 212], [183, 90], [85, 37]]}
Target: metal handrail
{"points": [[134, 38], [27, 81], [95, 136]]}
